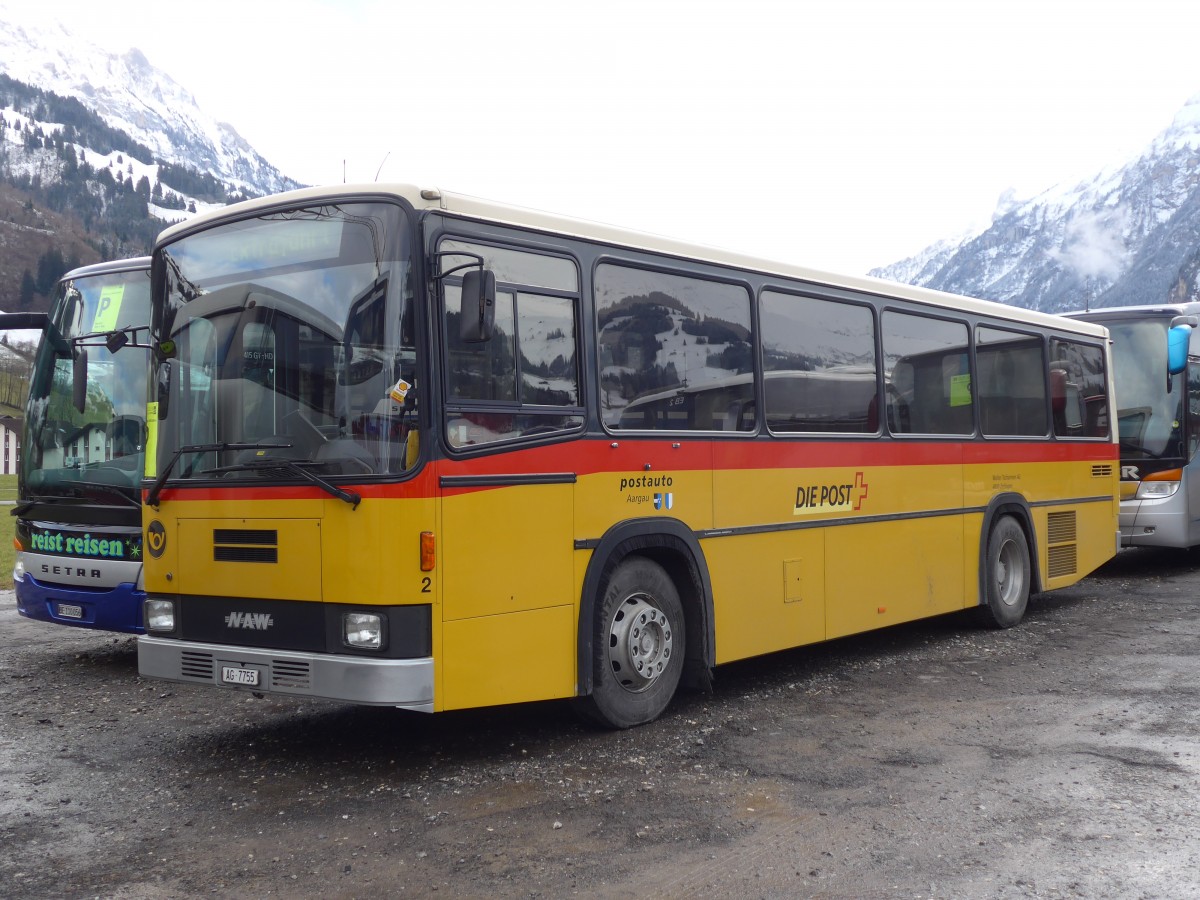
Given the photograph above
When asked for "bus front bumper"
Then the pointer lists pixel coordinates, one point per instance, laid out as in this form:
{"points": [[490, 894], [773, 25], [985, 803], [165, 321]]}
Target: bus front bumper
{"points": [[117, 609], [406, 683], [1155, 523]]}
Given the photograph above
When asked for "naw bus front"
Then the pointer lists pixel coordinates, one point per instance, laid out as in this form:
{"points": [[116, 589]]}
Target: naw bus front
{"points": [[288, 524], [78, 529]]}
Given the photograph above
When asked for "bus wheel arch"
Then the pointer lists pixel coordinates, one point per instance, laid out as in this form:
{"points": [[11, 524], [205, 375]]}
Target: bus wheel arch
{"points": [[1008, 570], [657, 565]]}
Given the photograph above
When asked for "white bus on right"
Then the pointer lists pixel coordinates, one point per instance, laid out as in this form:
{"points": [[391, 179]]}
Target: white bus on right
{"points": [[1158, 419]]}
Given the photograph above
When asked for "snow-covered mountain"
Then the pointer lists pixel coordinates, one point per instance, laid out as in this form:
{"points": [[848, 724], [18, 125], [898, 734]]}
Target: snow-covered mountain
{"points": [[132, 95], [1129, 235]]}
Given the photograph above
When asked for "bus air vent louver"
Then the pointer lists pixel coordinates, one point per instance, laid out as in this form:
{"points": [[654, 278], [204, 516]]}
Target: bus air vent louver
{"points": [[1102, 471], [286, 673], [196, 665], [245, 545], [1061, 534], [1062, 560], [1060, 527]]}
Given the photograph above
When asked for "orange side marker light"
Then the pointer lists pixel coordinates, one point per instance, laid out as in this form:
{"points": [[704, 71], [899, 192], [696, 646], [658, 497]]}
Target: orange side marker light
{"points": [[428, 551]]}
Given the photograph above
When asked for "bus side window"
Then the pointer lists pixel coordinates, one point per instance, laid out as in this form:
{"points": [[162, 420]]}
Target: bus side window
{"points": [[929, 371], [672, 349], [1079, 403]]}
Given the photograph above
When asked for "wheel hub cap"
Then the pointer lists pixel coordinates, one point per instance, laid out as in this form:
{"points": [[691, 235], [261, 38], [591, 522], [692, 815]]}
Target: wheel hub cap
{"points": [[640, 641]]}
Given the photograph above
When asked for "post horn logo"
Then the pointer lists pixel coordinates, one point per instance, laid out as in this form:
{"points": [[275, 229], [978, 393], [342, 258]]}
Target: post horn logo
{"points": [[156, 538]]}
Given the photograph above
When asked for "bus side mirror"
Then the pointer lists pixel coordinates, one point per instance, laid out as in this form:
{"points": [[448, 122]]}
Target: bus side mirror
{"points": [[478, 306], [79, 362], [37, 321], [1178, 338], [22, 321]]}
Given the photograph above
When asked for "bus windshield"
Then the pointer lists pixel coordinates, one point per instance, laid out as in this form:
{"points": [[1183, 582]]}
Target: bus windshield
{"points": [[1148, 415], [290, 346], [88, 453]]}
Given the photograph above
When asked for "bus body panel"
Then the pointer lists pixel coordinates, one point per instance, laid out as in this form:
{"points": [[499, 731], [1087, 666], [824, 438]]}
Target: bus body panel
{"points": [[509, 658], [773, 604]]}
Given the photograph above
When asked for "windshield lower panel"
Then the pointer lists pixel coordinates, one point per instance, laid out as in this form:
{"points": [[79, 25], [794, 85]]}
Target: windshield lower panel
{"points": [[86, 454], [294, 341]]}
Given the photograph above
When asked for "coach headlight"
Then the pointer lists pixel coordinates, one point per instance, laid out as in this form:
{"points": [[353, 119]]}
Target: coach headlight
{"points": [[363, 631], [159, 615], [1159, 485]]}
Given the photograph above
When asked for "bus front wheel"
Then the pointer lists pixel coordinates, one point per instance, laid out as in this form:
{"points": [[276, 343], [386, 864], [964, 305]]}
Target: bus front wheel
{"points": [[1007, 576], [637, 646]]}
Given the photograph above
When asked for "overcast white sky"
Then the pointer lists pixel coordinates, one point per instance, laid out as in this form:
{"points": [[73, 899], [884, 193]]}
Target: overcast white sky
{"points": [[842, 135]]}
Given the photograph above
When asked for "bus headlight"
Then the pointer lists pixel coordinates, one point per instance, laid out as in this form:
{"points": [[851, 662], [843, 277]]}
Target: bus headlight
{"points": [[362, 631], [159, 615], [19, 567], [1159, 485]]}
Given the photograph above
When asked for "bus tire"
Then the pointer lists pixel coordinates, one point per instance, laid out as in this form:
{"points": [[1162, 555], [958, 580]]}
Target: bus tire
{"points": [[1007, 575], [638, 646]]}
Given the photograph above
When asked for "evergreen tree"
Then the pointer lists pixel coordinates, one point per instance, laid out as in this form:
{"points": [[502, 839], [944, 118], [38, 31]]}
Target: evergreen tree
{"points": [[50, 266], [28, 289]]}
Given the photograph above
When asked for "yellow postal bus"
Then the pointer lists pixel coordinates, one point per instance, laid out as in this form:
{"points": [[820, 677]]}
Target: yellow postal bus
{"points": [[416, 449]]}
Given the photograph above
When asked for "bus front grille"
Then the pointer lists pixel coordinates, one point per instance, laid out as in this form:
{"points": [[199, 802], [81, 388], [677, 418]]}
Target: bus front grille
{"points": [[285, 674], [196, 665], [253, 545], [292, 674]]}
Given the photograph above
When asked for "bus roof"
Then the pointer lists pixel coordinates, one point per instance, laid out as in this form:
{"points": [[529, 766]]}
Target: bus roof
{"points": [[107, 267], [435, 199], [1133, 312]]}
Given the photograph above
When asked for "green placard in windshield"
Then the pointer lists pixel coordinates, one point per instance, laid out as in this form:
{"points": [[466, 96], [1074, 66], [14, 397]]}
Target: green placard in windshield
{"points": [[109, 308]]}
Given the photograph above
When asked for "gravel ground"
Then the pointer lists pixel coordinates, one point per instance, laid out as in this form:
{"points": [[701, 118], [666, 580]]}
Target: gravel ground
{"points": [[1056, 759]]}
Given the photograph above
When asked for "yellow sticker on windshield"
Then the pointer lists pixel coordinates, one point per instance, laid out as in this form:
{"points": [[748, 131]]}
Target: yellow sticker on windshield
{"points": [[151, 440], [109, 308]]}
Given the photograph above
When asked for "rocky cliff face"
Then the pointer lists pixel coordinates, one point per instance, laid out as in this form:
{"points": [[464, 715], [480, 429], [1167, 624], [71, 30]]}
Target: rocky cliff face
{"points": [[1130, 235]]}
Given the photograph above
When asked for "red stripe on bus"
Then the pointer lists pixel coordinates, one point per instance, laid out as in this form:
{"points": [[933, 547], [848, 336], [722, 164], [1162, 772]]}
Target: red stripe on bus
{"points": [[597, 457]]}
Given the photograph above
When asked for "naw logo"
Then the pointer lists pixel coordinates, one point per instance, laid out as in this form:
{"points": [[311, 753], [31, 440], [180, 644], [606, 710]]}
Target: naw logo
{"points": [[250, 621]]}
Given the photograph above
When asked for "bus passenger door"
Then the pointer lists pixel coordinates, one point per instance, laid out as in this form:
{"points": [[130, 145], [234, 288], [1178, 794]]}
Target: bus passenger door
{"points": [[506, 551], [508, 620]]}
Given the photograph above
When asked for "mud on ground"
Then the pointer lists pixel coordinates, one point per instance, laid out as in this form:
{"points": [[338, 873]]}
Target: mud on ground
{"points": [[1056, 759]]}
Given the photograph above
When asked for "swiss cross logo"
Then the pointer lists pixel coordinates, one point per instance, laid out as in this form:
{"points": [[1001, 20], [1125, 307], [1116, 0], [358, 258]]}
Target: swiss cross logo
{"points": [[860, 491]]}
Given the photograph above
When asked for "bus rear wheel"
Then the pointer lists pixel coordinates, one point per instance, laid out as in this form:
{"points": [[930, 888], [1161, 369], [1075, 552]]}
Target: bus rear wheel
{"points": [[637, 646], [1007, 575]]}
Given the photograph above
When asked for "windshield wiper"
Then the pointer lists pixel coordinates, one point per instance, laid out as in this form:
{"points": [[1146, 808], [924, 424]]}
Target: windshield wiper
{"points": [[112, 490], [161, 480], [34, 499], [75, 496], [296, 468]]}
